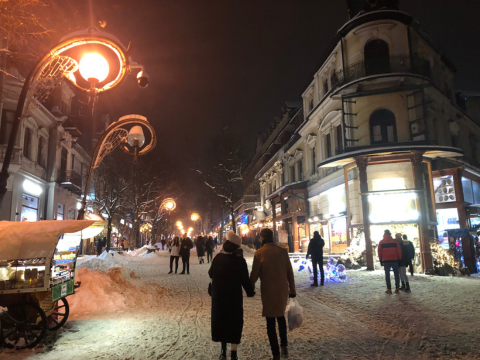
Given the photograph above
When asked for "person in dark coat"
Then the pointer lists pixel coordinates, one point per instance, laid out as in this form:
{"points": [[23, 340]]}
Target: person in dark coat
{"points": [[163, 242], [209, 249], [229, 273], [99, 246], [186, 245], [257, 244], [402, 263], [315, 249], [411, 253], [389, 254], [104, 244], [200, 244]]}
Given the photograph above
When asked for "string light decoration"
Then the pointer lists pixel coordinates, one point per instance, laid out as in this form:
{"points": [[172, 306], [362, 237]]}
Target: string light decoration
{"points": [[442, 256], [333, 272]]}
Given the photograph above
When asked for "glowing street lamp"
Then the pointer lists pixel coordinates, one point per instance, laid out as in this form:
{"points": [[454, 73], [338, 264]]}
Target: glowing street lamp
{"points": [[167, 204], [94, 68], [178, 223], [195, 217]]}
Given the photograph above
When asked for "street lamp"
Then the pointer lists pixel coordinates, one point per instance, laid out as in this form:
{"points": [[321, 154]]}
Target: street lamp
{"points": [[194, 217], [117, 135], [59, 63], [178, 223]]}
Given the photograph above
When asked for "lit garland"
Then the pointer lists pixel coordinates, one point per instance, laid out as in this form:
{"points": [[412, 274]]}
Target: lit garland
{"points": [[333, 272], [442, 256]]}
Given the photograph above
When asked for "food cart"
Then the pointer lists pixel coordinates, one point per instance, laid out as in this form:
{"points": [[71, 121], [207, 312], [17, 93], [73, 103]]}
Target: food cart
{"points": [[37, 273]]}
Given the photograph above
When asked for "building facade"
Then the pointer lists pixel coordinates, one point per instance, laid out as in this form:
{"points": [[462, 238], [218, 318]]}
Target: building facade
{"points": [[382, 143]]}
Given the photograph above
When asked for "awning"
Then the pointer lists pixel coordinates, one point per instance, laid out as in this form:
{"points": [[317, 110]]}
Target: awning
{"points": [[260, 215], [430, 151], [29, 240]]}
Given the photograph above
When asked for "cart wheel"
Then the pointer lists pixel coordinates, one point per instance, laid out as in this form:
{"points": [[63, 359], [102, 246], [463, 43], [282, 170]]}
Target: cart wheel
{"points": [[23, 326], [60, 315]]}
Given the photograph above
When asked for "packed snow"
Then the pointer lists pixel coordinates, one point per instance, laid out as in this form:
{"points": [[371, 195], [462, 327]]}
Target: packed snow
{"points": [[128, 307]]}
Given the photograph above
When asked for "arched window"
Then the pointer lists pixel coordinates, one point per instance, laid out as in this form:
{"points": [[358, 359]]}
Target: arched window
{"points": [[41, 151], [377, 57], [27, 143], [383, 127]]}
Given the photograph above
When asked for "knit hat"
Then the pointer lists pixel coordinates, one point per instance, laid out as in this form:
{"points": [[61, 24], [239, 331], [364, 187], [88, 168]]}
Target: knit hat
{"points": [[234, 238]]}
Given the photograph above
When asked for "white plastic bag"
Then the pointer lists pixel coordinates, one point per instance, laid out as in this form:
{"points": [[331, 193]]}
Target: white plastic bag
{"points": [[294, 314]]}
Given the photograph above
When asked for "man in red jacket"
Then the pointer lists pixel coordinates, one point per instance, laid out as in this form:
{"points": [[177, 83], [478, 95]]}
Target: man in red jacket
{"points": [[389, 253]]}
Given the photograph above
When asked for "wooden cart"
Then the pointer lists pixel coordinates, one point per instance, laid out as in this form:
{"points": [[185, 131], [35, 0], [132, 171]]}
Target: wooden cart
{"points": [[37, 273]]}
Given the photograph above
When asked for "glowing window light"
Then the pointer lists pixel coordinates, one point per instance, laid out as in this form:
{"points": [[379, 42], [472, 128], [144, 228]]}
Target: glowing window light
{"points": [[32, 188]]}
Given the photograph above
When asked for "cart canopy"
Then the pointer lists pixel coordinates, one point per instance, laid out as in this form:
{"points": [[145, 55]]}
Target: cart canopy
{"points": [[28, 240]]}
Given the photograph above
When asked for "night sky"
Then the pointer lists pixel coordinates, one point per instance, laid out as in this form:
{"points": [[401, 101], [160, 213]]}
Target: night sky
{"points": [[223, 63]]}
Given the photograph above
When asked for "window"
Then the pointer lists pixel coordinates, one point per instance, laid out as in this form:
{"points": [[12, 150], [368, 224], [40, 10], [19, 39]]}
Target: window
{"points": [[300, 170], [27, 143], [333, 79], [63, 165], [292, 174], [41, 151], [29, 208], [73, 162], [6, 128], [383, 127], [60, 211], [328, 141], [377, 57], [314, 161], [71, 214], [274, 185], [284, 177], [338, 130], [325, 87], [310, 105]]}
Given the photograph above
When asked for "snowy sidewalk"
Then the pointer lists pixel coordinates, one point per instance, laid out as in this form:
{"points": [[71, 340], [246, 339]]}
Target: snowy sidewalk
{"points": [[154, 315]]}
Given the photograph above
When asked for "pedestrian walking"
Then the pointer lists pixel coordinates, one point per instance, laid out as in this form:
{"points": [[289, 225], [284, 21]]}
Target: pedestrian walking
{"points": [[389, 253], [229, 273], [257, 243], [315, 249], [126, 244], [272, 265], [99, 246], [200, 249], [104, 244], [163, 242], [410, 254], [403, 263], [209, 249], [185, 245], [175, 254]]}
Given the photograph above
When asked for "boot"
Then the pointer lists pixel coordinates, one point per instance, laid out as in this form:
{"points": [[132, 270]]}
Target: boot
{"points": [[314, 284], [403, 286], [284, 350], [397, 290], [170, 272], [276, 357], [183, 272], [389, 291], [407, 288], [321, 282], [223, 353], [233, 355]]}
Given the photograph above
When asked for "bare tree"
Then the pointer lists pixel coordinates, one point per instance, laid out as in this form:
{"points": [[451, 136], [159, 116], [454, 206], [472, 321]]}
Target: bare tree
{"points": [[224, 173], [110, 188]]}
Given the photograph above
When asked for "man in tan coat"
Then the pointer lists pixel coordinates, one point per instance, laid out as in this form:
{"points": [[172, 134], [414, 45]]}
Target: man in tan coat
{"points": [[272, 265]]}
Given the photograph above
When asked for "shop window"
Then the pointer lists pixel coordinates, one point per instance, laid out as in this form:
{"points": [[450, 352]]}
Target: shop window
{"points": [[300, 170], [60, 211], [467, 190], [377, 57], [71, 214], [447, 219], [328, 141], [41, 151], [314, 161], [292, 174], [27, 143], [383, 127], [29, 208]]}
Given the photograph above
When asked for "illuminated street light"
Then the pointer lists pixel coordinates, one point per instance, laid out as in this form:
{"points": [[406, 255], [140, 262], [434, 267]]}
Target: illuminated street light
{"points": [[195, 217], [60, 63], [168, 204], [93, 67], [178, 223]]}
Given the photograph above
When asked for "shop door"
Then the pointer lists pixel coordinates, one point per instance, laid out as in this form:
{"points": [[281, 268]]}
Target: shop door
{"points": [[338, 234], [289, 226]]}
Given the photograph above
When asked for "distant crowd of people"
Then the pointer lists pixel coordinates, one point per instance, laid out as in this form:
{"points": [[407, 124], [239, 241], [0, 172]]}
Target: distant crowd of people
{"points": [[181, 248]]}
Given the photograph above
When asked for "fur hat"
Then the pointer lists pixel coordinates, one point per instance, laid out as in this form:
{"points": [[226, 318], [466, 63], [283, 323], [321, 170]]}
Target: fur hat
{"points": [[234, 238]]}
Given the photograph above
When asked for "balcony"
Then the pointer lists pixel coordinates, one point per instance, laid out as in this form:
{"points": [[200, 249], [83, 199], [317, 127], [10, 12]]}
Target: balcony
{"points": [[248, 202], [71, 181], [396, 64]]}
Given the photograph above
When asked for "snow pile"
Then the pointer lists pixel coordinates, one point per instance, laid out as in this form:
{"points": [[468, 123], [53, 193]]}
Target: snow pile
{"points": [[150, 255], [248, 250], [111, 291], [103, 262], [139, 252]]}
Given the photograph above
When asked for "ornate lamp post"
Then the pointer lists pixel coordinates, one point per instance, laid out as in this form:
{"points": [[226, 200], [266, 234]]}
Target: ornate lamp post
{"points": [[62, 62], [132, 141]]}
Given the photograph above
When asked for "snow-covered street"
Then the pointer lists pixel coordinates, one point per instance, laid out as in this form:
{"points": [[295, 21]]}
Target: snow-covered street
{"points": [[149, 314]]}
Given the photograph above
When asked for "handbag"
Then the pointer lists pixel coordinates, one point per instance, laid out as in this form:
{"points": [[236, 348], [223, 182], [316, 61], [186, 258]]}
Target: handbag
{"points": [[210, 289]]}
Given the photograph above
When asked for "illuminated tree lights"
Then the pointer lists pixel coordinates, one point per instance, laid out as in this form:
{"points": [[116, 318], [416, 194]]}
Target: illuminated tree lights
{"points": [[333, 272], [442, 256]]}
